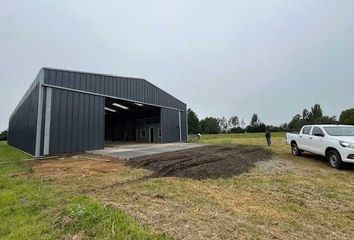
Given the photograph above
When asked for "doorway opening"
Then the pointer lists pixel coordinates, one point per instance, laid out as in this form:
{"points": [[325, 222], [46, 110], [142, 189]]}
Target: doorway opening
{"points": [[127, 121], [152, 137]]}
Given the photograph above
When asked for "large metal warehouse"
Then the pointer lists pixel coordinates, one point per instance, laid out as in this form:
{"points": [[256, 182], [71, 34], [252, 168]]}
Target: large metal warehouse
{"points": [[70, 111]]}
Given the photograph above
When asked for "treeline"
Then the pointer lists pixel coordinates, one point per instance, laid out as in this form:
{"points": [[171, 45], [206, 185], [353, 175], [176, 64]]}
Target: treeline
{"points": [[212, 125]]}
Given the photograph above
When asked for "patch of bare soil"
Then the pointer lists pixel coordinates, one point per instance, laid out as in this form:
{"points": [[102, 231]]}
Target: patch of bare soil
{"points": [[81, 165], [216, 161]]}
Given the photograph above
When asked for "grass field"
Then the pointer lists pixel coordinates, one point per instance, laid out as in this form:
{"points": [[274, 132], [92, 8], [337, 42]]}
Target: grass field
{"points": [[33, 209], [284, 198]]}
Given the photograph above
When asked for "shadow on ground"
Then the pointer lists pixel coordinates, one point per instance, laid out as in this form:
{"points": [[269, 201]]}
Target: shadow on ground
{"points": [[323, 160]]}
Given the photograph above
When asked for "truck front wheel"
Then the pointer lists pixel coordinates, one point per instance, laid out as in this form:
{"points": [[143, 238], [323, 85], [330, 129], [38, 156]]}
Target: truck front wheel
{"points": [[334, 159], [295, 150]]}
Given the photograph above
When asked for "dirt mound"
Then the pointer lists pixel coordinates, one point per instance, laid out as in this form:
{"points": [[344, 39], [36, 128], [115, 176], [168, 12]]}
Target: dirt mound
{"points": [[204, 162]]}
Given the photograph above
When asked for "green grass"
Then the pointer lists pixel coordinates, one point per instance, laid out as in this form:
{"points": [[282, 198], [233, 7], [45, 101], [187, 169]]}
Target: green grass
{"points": [[8, 153], [284, 198], [231, 138], [31, 209], [241, 135]]}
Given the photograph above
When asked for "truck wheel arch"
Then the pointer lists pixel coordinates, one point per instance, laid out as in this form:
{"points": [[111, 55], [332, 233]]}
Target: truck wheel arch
{"points": [[338, 163], [329, 149], [295, 149]]}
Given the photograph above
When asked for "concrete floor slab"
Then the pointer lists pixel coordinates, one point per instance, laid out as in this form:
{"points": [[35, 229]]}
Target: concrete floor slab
{"points": [[133, 150]]}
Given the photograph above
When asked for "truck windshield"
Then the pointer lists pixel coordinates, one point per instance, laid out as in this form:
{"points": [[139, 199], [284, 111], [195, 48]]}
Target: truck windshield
{"points": [[339, 131]]}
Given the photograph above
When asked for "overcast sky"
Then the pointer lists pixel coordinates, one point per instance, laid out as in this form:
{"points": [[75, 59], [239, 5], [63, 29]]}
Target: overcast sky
{"points": [[227, 58]]}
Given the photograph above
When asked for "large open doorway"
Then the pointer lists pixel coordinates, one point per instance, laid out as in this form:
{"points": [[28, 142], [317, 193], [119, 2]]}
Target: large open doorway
{"points": [[131, 122]]}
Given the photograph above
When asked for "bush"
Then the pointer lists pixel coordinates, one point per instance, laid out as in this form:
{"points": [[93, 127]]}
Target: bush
{"points": [[237, 130], [3, 136]]}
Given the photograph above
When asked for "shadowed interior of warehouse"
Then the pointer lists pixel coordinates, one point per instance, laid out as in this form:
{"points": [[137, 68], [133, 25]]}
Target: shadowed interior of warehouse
{"points": [[127, 121]]}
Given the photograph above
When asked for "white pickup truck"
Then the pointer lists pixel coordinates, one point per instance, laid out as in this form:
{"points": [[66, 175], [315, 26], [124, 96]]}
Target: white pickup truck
{"points": [[336, 142]]}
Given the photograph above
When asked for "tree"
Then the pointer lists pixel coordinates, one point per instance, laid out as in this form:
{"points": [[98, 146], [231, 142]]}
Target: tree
{"points": [[327, 119], [347, 116], [193, 122], [224, 124], [234, 122], [209, 125], [295, 123], [310, 117], [256, 125], [306, 114], [316, 112], [255, 120], [3, 135]]}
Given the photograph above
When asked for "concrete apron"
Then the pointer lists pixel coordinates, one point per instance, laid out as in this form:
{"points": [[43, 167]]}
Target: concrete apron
{"points": [[129, 151]]}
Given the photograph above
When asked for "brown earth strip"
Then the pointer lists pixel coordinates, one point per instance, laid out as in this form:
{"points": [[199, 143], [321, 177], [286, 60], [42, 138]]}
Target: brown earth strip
{"points": [[204, 162]]}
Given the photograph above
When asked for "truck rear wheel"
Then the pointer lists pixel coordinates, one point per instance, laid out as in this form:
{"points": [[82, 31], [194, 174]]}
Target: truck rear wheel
{"points": [[334, 159], [295, 150]]}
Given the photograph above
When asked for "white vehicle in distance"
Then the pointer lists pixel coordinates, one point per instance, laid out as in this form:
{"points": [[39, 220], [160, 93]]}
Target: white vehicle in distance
{"points": [[336, 142]]}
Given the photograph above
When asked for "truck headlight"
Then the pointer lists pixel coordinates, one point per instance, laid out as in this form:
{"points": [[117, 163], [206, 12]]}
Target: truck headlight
{"points": [[346, 144]]}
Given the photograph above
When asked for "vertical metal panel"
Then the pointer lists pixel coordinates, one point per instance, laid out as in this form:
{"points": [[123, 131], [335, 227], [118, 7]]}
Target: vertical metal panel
{"points": [[50, 75], [169, 125], [77, 80], [82, 81], [114, 90], [184, 127], [75, 121], [111, 86], [69, 122], [179, 126], [62, 121], [80, 119], [86, 120], [71, 80], [65, 80], [80, 128], [23, 123], [87, 82]]}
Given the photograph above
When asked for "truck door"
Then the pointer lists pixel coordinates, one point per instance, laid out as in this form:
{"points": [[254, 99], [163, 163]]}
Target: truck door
{"points": [[304, 138], [316, 142]]}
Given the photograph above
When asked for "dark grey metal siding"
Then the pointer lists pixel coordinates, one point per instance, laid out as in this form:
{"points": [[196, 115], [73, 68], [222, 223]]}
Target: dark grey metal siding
{"points": [[128, 88], [77, 118], [77, 122], [184, 125], [23, 123], [169, 125]]}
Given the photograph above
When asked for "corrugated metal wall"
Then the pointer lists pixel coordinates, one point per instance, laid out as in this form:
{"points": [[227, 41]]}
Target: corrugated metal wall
{"points": [[169, 125], [23, 123], [128, 88], [184, 127], [77, 122], [77, 118]]}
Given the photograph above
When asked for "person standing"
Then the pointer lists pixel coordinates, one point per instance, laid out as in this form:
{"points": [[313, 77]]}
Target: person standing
{"points": [[268, 137]]}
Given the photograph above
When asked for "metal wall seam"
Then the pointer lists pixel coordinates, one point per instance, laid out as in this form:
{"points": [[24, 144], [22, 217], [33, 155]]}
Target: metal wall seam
{"points": [[179, 126]]}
